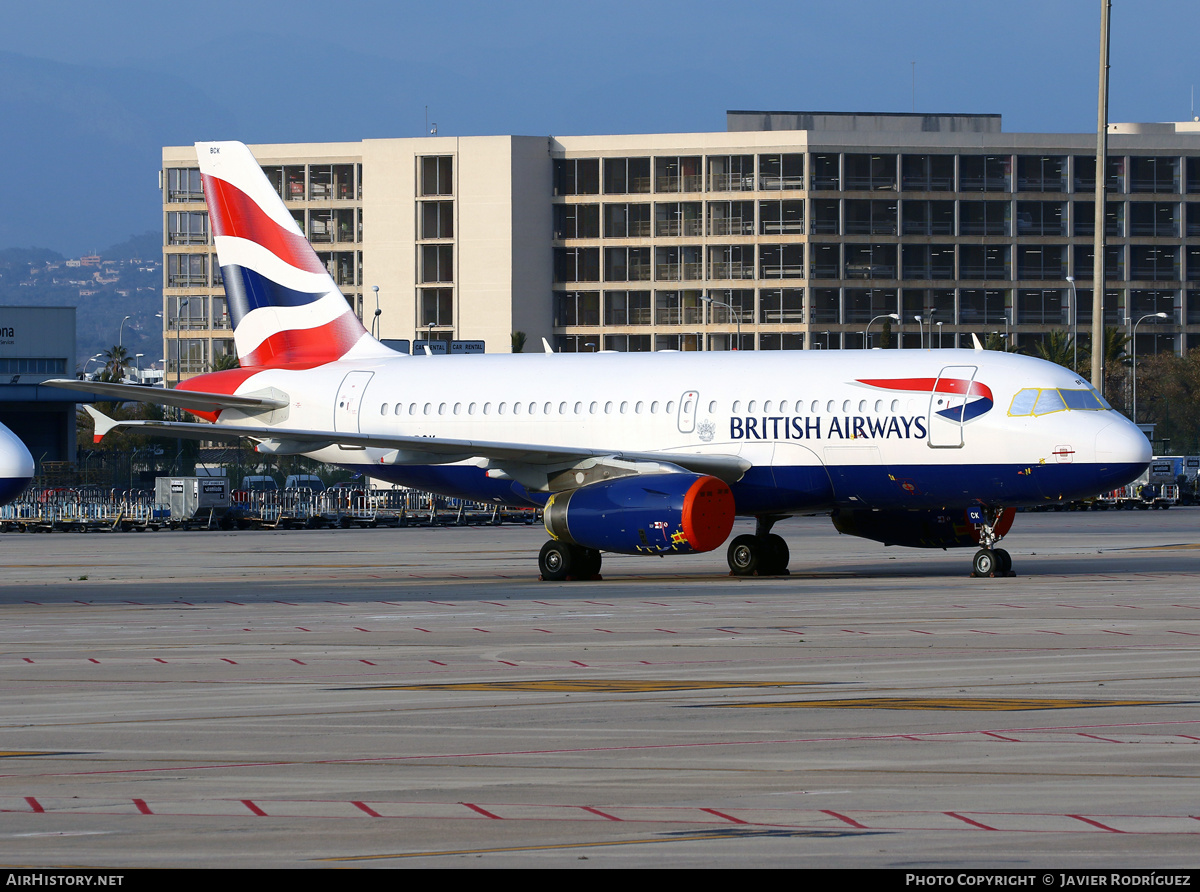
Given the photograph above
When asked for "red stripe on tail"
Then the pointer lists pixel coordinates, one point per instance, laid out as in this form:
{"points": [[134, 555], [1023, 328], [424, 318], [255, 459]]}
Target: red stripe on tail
{"points": [[234, 213]]}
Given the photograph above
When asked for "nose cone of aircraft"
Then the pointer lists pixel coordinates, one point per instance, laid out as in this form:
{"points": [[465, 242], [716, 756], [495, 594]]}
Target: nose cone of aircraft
{"points": [[1123, 450], [16, 466]]}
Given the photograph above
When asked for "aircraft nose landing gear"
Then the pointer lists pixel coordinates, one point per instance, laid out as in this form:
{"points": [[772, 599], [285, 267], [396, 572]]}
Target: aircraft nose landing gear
{"points": [[993, 523]]}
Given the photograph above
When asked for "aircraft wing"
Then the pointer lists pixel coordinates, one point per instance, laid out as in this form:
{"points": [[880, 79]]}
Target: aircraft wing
{"points": [[184, 399], [424, 450]]}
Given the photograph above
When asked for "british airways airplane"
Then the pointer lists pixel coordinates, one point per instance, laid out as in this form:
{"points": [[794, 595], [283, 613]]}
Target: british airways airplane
{"points": [[16, 466], [640, 453]]}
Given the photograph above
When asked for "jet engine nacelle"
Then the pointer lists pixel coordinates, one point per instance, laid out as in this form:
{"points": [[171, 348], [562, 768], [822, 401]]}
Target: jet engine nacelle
{"points": [[644, 514], [948, 528]]}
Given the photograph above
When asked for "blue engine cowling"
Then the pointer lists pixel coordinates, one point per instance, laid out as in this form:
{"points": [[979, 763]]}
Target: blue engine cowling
{"points": [[646, 514], [947, 528]]}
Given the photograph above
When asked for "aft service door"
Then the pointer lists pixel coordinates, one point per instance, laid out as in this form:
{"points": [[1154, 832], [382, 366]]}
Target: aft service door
{"points": [[948, 404], [349, 401]]}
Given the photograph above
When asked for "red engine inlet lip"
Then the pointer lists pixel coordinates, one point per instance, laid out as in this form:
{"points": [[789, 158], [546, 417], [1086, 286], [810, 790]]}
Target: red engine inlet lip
{"points": [[708, 513]]}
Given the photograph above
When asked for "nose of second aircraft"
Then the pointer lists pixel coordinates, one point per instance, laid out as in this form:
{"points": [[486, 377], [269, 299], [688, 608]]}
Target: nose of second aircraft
{"points": [[16, 466]]}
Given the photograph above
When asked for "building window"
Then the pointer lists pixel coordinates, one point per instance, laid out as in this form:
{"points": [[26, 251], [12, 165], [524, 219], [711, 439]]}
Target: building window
{"points": [[731, 218], [1085, 218], [437, 263], [827, 216], [678, 174], [980, 305], [1153, 174], [576, 221], [927, 217], [730, 173], [437, 219], [781, 305], [777, 172], [1041, 261], [781, 261], [985, 173], [825, 261], [1041, 173], [870, 261], [627, 343], [437, 307], [627, 308], [678, 308], [781, 217], [731, 262], [984, 217], [927, 173], [437, 175], [1041, 218], [738, 306], [627, 221], [1157, 218], [331, 182], [870, 172], [626, 176], [187, 270], [184, 184], [678, 218], [1114, 262], [1040, 306], [340, 264], [928, 262], [826, 306], [577, 308], [577, 264], [187, 228], [1153, 262], [864, 217], [864, 304], [984, 262], [577, 176], [826, 173], [626, 264], [672, 264]]}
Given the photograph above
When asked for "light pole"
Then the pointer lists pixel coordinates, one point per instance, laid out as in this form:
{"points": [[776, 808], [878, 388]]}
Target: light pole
{"points": [[137, 364], [375, 323], [178, 347], [1074, 335], [866, 337], [121, 334], [737, 316], [939, 335], [1134, 340], [921, 327]]}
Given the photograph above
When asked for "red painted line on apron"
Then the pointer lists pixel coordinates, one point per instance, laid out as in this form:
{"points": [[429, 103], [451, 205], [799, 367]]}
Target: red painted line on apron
{"points": [[654, 604], [302, 629], [855, 632], [229, 661], [1129, 606], [142, 806], [482, 811], [254, 808], [93, 660], [969, 821], [506, 662], [1095, 823], [1111, 632], [721, 814], [338, 603], [577, 663], [791, 631], [159, 660], [1070, 606], [366, 808], [437, 662], [1098, 737], [368, 662], [235, 603], [547, 631], [598, 603], [35, 603], [285, 603], [1048, 632], [359, 629], [419, 629], [485, 631], [597, 811], [1001, 737], [844, 819], [35, 805], [1188, 737], [982, 632], [301, 662], [494, 603], [247, 630], [608, 631], [442, 603], [27, 660], [668, 631], [1013, 606], [1176, 632], [544, 603], [919, 632], [730, 631], [1186, 606]]}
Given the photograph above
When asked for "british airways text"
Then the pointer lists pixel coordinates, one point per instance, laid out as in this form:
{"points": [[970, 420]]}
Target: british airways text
{"points": [[846, 427]]}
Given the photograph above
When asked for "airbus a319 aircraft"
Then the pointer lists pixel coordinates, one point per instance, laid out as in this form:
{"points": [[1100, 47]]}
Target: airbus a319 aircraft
{"points": [[640, 453]]}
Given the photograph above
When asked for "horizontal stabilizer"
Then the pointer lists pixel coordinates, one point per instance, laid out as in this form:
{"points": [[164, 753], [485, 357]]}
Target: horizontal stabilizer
{"points": [[185, 399]]}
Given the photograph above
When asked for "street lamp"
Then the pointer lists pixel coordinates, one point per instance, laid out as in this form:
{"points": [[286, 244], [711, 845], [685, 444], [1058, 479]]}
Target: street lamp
{"points": [[866, 337], [375, 323], [121, 335], [921, 327], [939, 335], [737, 316], [1134, 340], [178, 346], [1074, 335]]}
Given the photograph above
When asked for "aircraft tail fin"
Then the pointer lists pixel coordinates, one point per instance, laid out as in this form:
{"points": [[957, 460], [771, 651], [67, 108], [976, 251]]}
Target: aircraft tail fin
{"points": [[285, 307]]}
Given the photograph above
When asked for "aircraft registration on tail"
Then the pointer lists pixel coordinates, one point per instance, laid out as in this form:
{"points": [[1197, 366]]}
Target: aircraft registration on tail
{"points": [[640, 453]]}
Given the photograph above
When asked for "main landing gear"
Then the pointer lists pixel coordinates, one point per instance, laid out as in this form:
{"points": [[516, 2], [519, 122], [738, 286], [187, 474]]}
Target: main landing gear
{"points": [[559, 561], [763, 554], [990, 561]]}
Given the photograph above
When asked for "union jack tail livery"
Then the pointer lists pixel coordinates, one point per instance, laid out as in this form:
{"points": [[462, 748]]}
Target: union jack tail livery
{"points": [[286, 309]]}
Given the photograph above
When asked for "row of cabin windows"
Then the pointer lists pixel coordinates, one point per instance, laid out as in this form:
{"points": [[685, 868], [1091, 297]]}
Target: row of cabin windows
{"points": [[641, 407]]}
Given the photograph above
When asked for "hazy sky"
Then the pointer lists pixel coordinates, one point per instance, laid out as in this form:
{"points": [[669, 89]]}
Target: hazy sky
{"points": [[147, 73]]}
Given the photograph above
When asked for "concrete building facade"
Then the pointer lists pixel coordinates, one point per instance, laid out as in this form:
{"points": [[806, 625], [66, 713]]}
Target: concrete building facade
{"points": [[791, 230]]}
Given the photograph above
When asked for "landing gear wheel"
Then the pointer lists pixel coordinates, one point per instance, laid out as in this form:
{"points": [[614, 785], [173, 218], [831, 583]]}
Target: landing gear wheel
{"points": [[984, 563], [1003, 562], [554, 561], [744, 555], [586, 562], [775, 556]]}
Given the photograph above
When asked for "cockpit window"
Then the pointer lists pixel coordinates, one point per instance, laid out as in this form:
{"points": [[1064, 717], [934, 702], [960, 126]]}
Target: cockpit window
{"points": [[1044, 400]]}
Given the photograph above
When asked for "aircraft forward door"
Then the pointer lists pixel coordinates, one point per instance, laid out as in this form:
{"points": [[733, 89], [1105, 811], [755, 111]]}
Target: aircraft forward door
{"points": [[349, 400], [687, 411], [948, 404]]}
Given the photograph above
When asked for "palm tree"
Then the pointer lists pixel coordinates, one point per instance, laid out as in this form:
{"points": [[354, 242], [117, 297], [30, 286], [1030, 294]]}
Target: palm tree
{"points": [[518, 341], [226, 361], [116, 362], [1058, 347]]}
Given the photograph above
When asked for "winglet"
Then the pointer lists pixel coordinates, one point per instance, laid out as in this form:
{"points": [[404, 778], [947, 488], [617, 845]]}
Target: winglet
{"points": [[975, 341], [546, 346], [103, 423]]}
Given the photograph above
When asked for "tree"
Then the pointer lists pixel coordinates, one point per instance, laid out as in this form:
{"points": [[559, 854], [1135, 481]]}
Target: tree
{"points": [[885, 336], [116, 363], [518, 342], [997, 341], [226, 361], [1060, 348]]}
